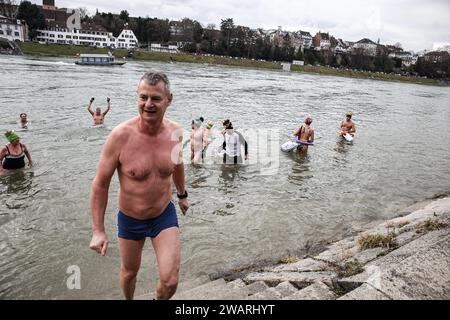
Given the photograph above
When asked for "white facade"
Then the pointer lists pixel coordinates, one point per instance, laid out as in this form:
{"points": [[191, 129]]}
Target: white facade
{"points": [[126, 40], [12, 30], [99, 39], [157, 47], [407, 58], [307, 39], [298, 62], [367, 46]]}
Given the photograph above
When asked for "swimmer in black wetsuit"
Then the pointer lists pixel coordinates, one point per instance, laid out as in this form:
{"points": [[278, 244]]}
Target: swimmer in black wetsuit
{"points": [[12, 156]]}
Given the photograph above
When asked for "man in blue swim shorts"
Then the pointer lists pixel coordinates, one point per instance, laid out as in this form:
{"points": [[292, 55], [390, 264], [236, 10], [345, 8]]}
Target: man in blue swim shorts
{"points": [[146, 151]]}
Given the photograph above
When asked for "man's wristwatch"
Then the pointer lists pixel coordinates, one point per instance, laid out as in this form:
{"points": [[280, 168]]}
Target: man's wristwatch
{"points": [[183, 196]]}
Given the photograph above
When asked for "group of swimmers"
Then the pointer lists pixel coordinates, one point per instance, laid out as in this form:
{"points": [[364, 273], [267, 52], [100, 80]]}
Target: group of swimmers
{"points": [[231, 148], [12, 155], [304, 135], [201, 137]]}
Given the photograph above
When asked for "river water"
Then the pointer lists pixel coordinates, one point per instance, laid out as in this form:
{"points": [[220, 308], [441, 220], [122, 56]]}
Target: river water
{"points": [[238, 216]]}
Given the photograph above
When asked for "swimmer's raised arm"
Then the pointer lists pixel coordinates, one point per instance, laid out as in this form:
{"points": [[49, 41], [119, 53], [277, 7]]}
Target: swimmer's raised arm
{"points": [[89, 106]]}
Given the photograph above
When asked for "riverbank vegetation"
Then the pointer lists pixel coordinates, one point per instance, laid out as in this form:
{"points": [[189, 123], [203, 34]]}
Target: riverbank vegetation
{"points": [[377, 240]]}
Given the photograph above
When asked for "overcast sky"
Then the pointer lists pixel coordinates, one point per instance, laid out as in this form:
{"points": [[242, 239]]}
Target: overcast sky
{"points": [[416, 24]]}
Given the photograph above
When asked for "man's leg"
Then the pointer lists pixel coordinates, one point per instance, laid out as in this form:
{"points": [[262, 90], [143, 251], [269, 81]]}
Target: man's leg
{"points": [[130, 253], [167, 249]]}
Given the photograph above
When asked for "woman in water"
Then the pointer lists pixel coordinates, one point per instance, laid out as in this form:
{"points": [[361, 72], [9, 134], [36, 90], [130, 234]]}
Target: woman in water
{"points": [[12, 155]]}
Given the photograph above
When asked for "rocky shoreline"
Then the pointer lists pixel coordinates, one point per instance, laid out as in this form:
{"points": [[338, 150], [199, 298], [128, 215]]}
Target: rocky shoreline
{"points": [[407, 257]]}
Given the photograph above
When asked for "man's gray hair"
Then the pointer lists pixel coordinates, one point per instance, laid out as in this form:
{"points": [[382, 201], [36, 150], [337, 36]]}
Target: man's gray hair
{"points": [[153, 77]]}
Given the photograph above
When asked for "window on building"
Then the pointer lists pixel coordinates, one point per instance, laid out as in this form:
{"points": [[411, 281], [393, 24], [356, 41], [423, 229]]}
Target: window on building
{"points": [[60, 36], [52, 36], [17, 34], [1, 31]]}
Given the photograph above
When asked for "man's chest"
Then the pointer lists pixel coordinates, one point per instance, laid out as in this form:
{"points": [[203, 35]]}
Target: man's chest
{"points": [[148, 160]]}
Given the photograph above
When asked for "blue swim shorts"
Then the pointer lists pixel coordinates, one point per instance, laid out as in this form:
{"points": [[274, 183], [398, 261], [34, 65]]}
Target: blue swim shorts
{"points": [[133, 229]]}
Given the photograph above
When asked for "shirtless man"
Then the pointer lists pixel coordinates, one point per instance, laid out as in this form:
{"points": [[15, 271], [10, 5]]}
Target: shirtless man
{"points": [[98, 115], [347, 125], [305, 134], [146, 151]]}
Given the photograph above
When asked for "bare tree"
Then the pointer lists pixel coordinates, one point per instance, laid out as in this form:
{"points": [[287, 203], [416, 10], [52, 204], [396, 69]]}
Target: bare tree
{"points": [[8, 8]]}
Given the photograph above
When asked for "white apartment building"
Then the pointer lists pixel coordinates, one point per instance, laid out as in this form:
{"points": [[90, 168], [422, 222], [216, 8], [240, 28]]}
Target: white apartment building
{"points": [[99, 39], [12, 30]]}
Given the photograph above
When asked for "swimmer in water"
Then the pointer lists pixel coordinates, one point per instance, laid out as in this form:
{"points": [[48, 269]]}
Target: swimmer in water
{"points": [[23, 121], [98, 115]]}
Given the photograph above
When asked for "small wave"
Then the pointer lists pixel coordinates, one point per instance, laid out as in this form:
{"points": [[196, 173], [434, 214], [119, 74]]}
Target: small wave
{"points": [[425, 95]]}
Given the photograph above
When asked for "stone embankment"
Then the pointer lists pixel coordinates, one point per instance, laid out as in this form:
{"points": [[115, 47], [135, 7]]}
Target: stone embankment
{"points": [[404, 258]]}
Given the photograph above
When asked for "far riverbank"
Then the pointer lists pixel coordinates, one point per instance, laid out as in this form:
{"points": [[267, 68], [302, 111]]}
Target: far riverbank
{"points": [[31, 48]]}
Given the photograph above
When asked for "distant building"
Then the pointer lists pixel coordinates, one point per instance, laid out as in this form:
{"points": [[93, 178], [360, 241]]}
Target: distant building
{"points": [[437, 56], [176, 28], [298, 62], [321, 41], [366, 46], [301, 39], [277, 36], [341, 47], [306, 38], [407, 58], [12, 30], [98, 37], [393, 49], [48, 4], [93, 38], [157, 47], [64, 27], [126, 39]]}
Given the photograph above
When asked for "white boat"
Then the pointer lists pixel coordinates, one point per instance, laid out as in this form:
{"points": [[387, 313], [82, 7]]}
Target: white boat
{"points": [[88, 59]]}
